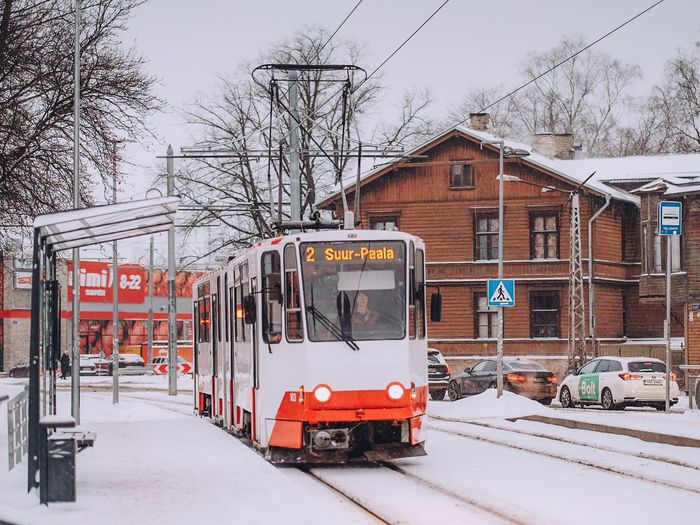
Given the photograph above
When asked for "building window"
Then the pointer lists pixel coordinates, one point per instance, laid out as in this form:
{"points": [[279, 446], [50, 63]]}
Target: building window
{"points": [[544, 233], [384, 222], [544, 314], [486, 318], [486, 237], [461, 176]]}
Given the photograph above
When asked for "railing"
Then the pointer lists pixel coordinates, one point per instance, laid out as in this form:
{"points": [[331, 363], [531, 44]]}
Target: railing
{"points": [[17, 427]]}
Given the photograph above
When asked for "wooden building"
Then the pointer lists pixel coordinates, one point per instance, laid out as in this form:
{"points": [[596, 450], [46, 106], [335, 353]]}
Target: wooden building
{"points": [[446, 191]]}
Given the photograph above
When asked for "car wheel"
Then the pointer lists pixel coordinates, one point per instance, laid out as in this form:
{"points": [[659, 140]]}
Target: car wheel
{"points": [[565, 398], [453, 391], [660, 407], [493, 385], [546, 401], [606, 399], [438, 395]]}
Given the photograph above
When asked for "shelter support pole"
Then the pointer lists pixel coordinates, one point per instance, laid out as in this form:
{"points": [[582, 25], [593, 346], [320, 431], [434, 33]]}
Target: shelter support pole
{"points": [[34, 436], [172, 307]]}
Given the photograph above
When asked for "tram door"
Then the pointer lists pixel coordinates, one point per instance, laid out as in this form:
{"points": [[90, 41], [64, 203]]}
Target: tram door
{"points": [[214, 354], [256, 366]]}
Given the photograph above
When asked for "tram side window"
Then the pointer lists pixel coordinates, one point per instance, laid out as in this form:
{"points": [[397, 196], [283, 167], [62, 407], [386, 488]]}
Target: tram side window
{"points": [[204, 309], [419, 297], [272, 297], [295, 330], [238, 294]]}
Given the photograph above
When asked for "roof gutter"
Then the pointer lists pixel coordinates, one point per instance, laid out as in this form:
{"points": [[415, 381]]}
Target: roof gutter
{"points": [[591, 290]]}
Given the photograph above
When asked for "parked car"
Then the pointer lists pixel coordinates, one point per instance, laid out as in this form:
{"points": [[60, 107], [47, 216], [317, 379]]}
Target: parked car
{"points": [[21, 369], [438, 374], [521, 376], [93, 364], [131, 364], [618, 382], [87, 365]]}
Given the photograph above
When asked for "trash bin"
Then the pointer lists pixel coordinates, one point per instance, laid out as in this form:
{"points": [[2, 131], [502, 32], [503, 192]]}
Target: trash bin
{"points": [[697, 391], [60, 455]]}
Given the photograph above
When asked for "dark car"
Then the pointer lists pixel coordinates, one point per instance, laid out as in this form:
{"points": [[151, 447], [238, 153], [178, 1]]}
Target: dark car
{"points": [[438, 374], [21, 369], [520, 376]]}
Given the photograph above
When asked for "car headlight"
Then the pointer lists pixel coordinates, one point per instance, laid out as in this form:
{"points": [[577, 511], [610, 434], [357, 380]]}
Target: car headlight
{"points": [[322, 393]]}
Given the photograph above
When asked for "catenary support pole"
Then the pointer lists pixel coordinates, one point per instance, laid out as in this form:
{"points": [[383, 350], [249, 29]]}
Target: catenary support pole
{"points": [[668, 321], [150, 306], [499, 346], [172, 308], [75, 350], [115, 296], [294, 170]]}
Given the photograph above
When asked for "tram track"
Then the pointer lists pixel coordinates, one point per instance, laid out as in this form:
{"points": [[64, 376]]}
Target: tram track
{"points": [[553, 435], [578, 454], [410, 488]]}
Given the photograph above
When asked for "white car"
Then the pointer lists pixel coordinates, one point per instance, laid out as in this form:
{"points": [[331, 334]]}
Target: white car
{"points": [[617, 382]]}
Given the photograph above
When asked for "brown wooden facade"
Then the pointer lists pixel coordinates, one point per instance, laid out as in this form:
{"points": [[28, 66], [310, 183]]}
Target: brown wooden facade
{"points": [[447, 197]]}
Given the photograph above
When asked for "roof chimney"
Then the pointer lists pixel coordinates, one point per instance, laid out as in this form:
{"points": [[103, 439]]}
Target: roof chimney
{"points": [[480, 121], [555, 145]]}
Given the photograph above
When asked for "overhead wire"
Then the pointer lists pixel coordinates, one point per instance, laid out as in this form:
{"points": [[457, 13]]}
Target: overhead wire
{"points": [[574, 55]]}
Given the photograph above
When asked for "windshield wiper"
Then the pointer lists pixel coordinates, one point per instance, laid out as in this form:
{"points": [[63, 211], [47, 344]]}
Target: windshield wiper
{"points": [[332, 327]]}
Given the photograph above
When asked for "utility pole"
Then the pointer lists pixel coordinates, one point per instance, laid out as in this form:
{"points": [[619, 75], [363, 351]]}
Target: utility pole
{"points": [[75, 351], [150, 305], [294, 171], [172, 308], [115, 295], [577, 322]]}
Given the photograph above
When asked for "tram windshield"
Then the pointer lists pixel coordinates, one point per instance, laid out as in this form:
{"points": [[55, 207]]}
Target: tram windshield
{"points": [[354, 291]]}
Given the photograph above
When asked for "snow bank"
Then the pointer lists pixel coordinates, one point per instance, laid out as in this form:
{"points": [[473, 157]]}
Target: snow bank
{"points": [[487, 405]]}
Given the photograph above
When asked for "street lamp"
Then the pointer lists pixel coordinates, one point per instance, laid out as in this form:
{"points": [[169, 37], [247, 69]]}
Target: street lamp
{"points": [[503, 151]]}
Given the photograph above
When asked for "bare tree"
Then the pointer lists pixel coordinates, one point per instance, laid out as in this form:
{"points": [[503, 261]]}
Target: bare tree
{"points": [[678, 101], [36, 101], [584, 96], [239, 116]]}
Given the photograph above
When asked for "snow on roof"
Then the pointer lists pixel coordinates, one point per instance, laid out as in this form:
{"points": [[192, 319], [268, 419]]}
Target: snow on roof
{"points": [[682, 169]]}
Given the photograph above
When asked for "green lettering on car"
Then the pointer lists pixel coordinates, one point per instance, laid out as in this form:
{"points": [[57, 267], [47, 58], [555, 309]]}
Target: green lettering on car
{"points": [[588, 387]]}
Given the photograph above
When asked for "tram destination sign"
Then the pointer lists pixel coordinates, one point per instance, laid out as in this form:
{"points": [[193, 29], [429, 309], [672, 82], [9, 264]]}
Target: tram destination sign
{"points": [[353, 251]]}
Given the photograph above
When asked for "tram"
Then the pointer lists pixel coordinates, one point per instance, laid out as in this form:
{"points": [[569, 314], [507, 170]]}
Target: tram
{"points": [[313, 345]]}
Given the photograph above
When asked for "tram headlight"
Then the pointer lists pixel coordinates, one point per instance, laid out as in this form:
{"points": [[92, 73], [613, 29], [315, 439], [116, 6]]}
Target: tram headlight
{"points": [[395, 391], [322, 393]]}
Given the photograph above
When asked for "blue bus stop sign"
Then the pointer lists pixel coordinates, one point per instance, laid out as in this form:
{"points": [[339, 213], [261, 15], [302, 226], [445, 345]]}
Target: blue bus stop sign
{"points": [[670, 218], [501, 292]]}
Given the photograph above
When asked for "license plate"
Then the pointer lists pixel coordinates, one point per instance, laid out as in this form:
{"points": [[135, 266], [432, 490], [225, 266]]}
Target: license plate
{"points": [[653, 382], [539, 380]]}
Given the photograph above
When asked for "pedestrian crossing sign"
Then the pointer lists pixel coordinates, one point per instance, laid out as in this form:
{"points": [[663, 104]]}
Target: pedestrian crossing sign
{"points": [[501, 292]]}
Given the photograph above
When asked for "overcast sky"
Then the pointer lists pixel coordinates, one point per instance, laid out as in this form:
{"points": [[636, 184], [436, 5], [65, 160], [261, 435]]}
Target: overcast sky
{"points": [[469, 44]]}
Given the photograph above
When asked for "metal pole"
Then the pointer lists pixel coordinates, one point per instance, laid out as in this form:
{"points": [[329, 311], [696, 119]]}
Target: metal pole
{"points": [[499, 347], [591, 289], [294, 171], [115, 297], [75, 351], [172, 309], [668, 321], [150, 306], [34, 432]]}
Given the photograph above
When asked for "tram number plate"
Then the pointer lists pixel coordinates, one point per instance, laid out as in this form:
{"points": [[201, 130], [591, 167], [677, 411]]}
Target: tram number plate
{"points": [[654, 382]]}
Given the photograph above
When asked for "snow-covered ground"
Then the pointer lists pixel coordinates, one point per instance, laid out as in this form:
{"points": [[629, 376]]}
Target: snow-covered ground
{"points": [[154, 462]]}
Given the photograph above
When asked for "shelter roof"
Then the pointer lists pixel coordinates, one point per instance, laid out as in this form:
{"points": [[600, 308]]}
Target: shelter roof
{"points": [[111, 222]]}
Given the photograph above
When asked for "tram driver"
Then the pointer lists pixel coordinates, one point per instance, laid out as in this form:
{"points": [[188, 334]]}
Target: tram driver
{"points": [[362, 314]]}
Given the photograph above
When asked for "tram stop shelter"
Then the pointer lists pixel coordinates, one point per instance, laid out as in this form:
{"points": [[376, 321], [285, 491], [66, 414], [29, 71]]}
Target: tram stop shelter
{"points": [[57, 232]]}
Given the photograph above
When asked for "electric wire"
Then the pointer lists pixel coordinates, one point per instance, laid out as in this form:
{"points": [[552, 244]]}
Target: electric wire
{"points": [[574, 55]]}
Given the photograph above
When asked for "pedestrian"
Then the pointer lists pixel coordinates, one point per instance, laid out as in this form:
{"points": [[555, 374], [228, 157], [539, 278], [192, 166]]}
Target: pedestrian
{"points": [[65, 365]]}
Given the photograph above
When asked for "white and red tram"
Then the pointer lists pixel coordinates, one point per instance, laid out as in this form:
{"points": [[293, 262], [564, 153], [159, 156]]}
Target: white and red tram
{"points": [[314, 346]]}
